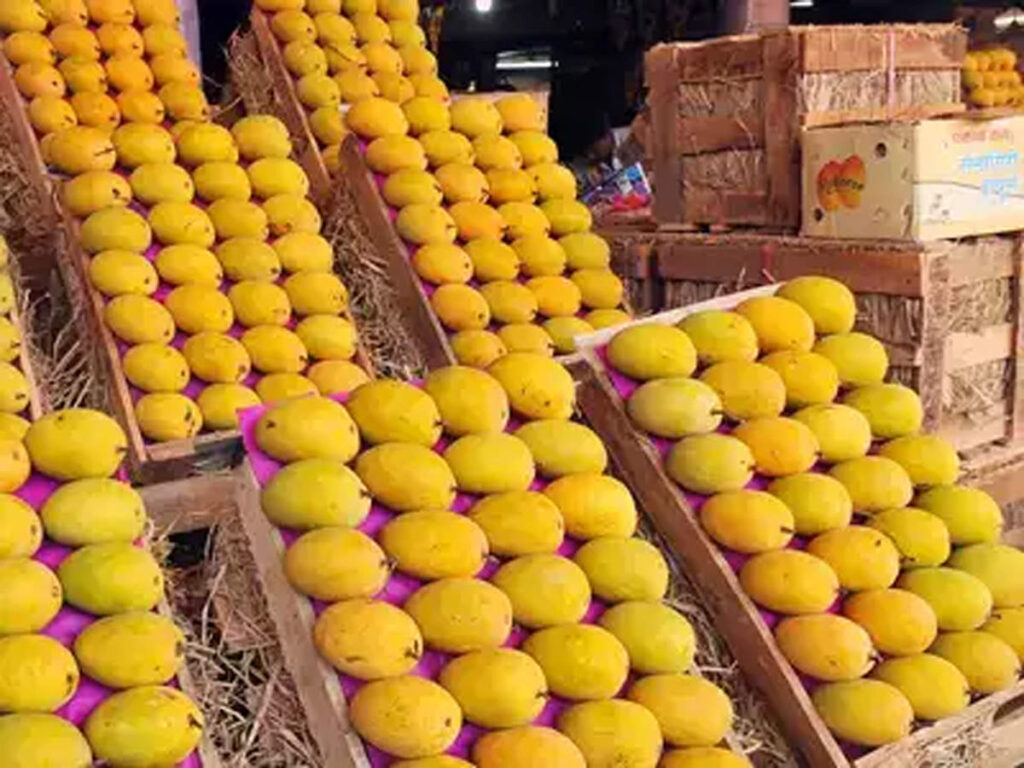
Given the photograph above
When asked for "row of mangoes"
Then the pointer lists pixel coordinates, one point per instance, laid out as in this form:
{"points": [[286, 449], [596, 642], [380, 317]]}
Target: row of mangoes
{"points": [[488, 164], [133, 181], [77, 600], [538, 593], [899, 597]]}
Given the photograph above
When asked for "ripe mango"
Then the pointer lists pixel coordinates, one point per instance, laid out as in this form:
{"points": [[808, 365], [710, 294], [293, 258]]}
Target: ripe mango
{"points": [[987, 662], [130, 649], [50, 114], [275, 387], [423, 224], [179, 264], [184, 102], [624, 569], [248, 258], [112, 577], [477, 348], [928, 459], [819, 503], [556, 182], [218, 180], [509, 302], [492, 462], [496, 687], [34, 79], [934, 687], [563, 330], [170, 67], [390, 411], [1008, 625], [580, 661], [13, 389], [810, 379], [259, 136], [326, 337], [790, 581], [25, 46], [825, 646], [141, 107], [238, 218], [36, 739], [274, 349], [475, 116], [290, 213], [748, 521], [537, 387], [76, 443], [524, 220], [690, 710], [181, 223], [141, 143], [860, 360], [406, 476], [970, 514], [94, 190], [20, 529], [426, 114], [613, 733], [921, 538], [536, 148], [114, 273], [657, 638], [780, 446], [675, 407], [115, 228], [893, 410], [866, 712], [862, 557], [336, 377], [874, 483], [460, 308], [556, 296], [156, 368], [163, 38], [525, 747], [467, 400], [519, 523], [843, 432], [545, 590], [509, 184], [443, 147], [149, 725], [81, 148], [719, 336], [999, 566], [216, 358], [368, 639], [961, 601], [10, 344], [900, 622], [435, 544], [704, 757], [336, 563], [37, 674], [409, 186], [830, 304], [199, 308], [304, 252], [460, 614], [562, 448], [652, 351], [594, 505], [779, 323], [710, 463], [93, 511], [162, 183], [747, 390], [492, 259], [307, 428], [520, 112], [165, 416], [31, 595], [406, 716], [375, 117], [261, 303]]}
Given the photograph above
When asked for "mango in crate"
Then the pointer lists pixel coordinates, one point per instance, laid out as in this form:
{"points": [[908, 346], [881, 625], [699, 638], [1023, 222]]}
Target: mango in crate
{"points": [[457, 615], [862, 557], [43, 739], [999, 566], [156, 368], [563, 330], [658, 639], [443, 147], [535, 147], [14, 465], [747, 521], [675, 407], [165, 416], [162, 182], [496, 687], [93, 511], [409, 186], [256, 302], [874, 483], [260, 136], [247, 258], [405, 477], [181, 224], [109, 578], [238, 219], [156, 12], [120, 39], [468, 401], [921, 537], [20, 531], [81, 148], [394, 411], [216, 358], [49, 114], [866, 712], [859, 359], [393, 86], [769, 576], [336, 563], [960, 600], [818, 503], [333, 377], [22, 15], [475, 116], [199, 308], [580, 661], [477, 348], [843, 432], [970, 514], [594, 505], [406, 716], [622, 569], [825, 646], [309, 427], [554, 182], [277, 387], [274, 349], [524, 747], [710, 463], [184, 101], [315, 492], [652, 351], [987, 662], [304, 252], [116, 272], [900, 622], [368, 639], [545, 590], [613, 732], [76, 443], [435, 544], [934, 687], [14, 393], [37, 674], [779, 323], [37, 79], [519, 523], [375, 117], [562, 448], [893, 410], [149, 725], [130, 649], [31, 595], [929, 460], [691, 711]]}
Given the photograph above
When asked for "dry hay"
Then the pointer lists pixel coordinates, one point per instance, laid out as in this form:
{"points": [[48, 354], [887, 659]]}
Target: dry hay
{"points": [[249, 77], [893, 320], [728, 170], [838, 91], [721, 96], [976, 306], [253, 715], [372, 298], [754, 731], [50, 307], [975, 391]]}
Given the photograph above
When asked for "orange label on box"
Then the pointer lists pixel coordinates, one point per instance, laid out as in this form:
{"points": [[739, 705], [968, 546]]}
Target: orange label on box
{"points": [[841, 184]]}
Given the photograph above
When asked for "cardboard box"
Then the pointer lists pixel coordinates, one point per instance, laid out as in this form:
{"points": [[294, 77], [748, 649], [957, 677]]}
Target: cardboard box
{"points": [[929, 180]]}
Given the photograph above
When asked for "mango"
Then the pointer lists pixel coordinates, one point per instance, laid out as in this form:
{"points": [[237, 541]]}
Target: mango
{"points": [[261, 303], [460, 614], [304, 252], [335, 377], [874, 483], [860, 360], [336, 563], [988, 664], [999, 566], [900, 623], [31, 595], [130, 649], [921, 537], [199, 308], [769, 578], [114, 273], [524, 747], [580, 661], [308, 428], [409, 186], [496, 687], [970, 514], [141, 107], [622, 569], [184, 101], [443, 147], [406, 716], [37, 674], [181, 223], [259, 136], [862, 557], [368, 639], [434, 544], [893, 410], [35, 739], [389, 411], [780, 446], [274, 349], [545, 590], [248, 258], [866, 712], [615, 732], [519, 523], [406, 476], [710, 463], [237, 218], [748, 521], [830, 304], [375, 117], [825, 646], [220, 179], [675, 407], [843, 432], [75, 443], [216, 358], [115, 228], [536, 148], [162, 183], [691, 711], [275, 387], [290, 213], [156, 368], [747, 390], [165, 416], [652, 351], [49, 114], [934, 687], [93, 510], [20, 529], [477, 348], [657, 638], [819, 503], [961, 601]]}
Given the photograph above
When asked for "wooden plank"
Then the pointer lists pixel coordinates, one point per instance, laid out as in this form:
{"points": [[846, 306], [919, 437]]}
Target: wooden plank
{"points": [[703, 205], [420, 319], [712, 133], [880, 114], [845, 48], [964, 350], [663, 98], [865, 266], [316, 682], [993, 715], [934, 325], [978, 259], [191, 504], [733, 613], [782, 134], [978, 429], [1016, 430], [733, 56]]}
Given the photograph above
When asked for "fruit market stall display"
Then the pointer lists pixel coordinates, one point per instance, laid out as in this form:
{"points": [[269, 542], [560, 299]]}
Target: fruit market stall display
{"points": [[90, 661], [727, 113], [501, 272], [991, 78], [794, 476], [492, 596]]}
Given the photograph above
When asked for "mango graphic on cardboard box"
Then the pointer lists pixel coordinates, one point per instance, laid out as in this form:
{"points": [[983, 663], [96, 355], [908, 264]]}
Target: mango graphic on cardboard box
{"points": [[841, 184]]}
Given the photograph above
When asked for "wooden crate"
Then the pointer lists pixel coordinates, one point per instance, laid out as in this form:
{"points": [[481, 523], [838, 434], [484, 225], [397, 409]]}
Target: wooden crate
{"points": [[633, 261], [988, 733], [404, 336], [948, 313], [727, 113]]}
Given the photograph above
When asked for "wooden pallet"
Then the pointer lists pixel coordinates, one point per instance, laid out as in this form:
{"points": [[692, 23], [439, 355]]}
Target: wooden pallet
{"points": [[353, 179], [735, 614]]}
